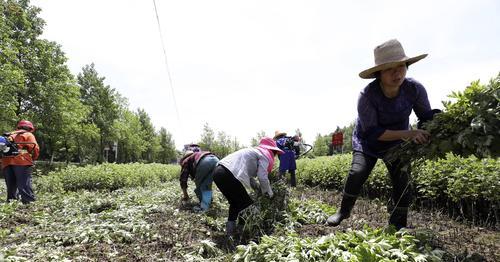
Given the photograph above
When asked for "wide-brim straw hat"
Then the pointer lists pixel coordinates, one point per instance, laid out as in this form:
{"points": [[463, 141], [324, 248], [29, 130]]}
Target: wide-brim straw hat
{"points": [[278, 134], [388, 55]]}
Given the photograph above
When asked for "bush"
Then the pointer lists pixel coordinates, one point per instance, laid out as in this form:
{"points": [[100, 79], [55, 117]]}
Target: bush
{"points": [[470, 185], [106, 177]]}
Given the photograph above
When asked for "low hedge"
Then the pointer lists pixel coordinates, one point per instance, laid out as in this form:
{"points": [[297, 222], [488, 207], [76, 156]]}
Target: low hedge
{"points": [[467, 186], [106, 177]]}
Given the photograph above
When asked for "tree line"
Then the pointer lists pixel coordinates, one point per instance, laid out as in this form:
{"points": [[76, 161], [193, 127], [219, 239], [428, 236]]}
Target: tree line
{"points": [[80, 118]]}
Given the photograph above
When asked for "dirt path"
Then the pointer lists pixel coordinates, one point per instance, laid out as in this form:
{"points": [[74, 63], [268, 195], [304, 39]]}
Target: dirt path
{"points": [[469, 243]]}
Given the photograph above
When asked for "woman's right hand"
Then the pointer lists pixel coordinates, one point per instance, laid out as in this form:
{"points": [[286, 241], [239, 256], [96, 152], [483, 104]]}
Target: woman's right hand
{"points": [[270, 194], [418, 136]]}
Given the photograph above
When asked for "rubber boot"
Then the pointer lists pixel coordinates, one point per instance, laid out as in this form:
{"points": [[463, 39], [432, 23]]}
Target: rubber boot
{"points": [[344, 211], [399, 217], [206, 199], [293, 179], [230, 228]]}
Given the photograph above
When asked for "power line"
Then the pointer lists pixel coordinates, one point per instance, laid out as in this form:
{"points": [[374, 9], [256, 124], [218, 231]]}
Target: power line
{"points": [[166, 64]]}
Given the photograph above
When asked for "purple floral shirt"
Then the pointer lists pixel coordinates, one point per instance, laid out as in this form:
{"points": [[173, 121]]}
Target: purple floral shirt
{"points": [[377, 113]]}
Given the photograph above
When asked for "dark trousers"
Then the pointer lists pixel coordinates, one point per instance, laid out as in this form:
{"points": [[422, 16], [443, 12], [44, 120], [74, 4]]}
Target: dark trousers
{"points": [[18, 181], [293, 179], [233, 190], [362, 166]]}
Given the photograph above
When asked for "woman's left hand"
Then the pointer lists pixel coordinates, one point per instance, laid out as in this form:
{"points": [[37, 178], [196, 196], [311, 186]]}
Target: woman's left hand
{"points": [[420, 136]]}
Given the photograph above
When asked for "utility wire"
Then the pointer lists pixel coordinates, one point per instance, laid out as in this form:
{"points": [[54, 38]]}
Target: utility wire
{"points": [[166, 65]]}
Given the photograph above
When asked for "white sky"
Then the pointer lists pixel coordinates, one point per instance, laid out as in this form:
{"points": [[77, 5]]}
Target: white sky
{"points": [[269, 65]]}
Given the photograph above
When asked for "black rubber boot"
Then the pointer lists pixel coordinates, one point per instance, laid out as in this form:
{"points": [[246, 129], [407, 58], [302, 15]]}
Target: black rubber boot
{"points": [[399, 217], [344, 211], [230, 228]]}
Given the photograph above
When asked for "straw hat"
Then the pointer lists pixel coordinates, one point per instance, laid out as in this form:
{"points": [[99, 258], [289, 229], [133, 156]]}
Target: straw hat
{"points": [[278, 134], [387, 55]]}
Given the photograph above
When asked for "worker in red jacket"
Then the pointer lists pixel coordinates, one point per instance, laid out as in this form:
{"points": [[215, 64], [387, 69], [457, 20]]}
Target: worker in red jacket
{"points": [[17, 163], [337, 141]]}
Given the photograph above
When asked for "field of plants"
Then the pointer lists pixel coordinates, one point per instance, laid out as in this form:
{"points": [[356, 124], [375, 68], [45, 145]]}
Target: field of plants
{"points": [[134, 212]]}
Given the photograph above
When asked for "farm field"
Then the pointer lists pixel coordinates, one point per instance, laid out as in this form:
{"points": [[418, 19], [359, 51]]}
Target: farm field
{"points": [[146, 221]]}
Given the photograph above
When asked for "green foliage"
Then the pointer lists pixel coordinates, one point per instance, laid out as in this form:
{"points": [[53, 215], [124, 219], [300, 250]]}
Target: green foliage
{"points": [[36, 82], [106, 177], [103, 101], [263, 215], [321, 145], [220, 144], [167, 153], [360, 245], [330, 172], [255, 140], [459, 178], [309, 212], [57, 226], [451, 180], [348, 130], [468, 126], [147, 222]]}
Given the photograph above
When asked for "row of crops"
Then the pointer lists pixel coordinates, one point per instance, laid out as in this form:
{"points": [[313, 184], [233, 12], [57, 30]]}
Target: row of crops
{"points": [[135, 214], [468, 186]]}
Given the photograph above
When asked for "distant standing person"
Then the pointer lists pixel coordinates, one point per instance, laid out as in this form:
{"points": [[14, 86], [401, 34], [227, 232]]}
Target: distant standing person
{"points": [[384, 108], [199, 166], [287, 159], [237, 173], [17, 168], [338, 141]]}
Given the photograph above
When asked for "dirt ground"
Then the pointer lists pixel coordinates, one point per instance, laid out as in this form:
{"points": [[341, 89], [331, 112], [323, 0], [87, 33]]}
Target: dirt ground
{"points": [[462, 242], [466, 242]]}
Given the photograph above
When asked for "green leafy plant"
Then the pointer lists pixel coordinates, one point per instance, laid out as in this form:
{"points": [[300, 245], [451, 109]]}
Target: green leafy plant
{"points": [[357, 245], [467, 126]]}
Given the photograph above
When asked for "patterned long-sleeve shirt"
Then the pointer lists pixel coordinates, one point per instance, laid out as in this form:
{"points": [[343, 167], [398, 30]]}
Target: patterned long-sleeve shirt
{"points": [[378, 113]]}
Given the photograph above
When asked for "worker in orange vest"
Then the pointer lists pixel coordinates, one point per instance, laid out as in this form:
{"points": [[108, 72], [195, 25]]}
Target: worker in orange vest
{"points": [[18, 160]]}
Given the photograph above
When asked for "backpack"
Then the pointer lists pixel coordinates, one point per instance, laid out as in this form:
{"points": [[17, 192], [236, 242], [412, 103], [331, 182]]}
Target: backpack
{"points": [[7, 146]]}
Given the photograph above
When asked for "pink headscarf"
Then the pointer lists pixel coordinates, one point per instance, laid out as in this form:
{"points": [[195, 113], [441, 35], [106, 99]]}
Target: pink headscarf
{"points": [[266, 146], [269, 156]]}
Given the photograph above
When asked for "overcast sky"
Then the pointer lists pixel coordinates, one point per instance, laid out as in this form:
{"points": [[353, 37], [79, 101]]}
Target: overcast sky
{"points": [[250, 66]]}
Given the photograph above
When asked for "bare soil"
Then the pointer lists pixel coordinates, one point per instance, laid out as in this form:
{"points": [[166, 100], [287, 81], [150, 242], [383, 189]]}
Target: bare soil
{"points": [[463, 241]]}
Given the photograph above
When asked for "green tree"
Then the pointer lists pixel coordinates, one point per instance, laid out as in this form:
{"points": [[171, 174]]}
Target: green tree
{"points": [[321, 145], [149, 135], [36, 83], [167, 153], [11, 71], [129, 134], [224, 145], [103, 101], [256, 140], [348, 130], [207, 140]]}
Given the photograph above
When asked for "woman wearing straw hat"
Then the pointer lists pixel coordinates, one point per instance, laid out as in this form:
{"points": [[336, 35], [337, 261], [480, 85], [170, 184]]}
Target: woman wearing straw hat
{"points": [[236, 173], [384, 108]]}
